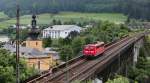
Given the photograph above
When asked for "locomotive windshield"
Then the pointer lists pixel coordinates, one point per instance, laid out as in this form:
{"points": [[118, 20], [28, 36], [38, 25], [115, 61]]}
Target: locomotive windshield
{"points": [[89, 47]]}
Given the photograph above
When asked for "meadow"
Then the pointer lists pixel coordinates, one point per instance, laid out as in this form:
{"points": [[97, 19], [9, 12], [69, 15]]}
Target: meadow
{"points": [[66, 16], [3, 16]]}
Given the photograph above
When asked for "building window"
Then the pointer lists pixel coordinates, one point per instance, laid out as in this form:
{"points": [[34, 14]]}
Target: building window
{"points": [[22, 53], [46, 36], [58, 33], [52, 34], [36, 43], [49, 34], [55, 34]]}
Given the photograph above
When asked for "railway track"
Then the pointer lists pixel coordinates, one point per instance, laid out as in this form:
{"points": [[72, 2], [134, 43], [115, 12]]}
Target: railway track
{"points": [[78, 66]]}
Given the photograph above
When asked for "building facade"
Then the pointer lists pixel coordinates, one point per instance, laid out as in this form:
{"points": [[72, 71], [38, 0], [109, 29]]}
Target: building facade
{"points": [[37, 44], [41, 63], [60, 31]]}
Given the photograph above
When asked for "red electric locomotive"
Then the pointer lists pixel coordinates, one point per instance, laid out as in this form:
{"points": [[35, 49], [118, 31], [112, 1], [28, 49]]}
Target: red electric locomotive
{"points": [[93, 50]]}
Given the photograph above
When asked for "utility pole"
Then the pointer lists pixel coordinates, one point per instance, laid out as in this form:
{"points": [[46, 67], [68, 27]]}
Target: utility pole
{"points": [[17, 45]]}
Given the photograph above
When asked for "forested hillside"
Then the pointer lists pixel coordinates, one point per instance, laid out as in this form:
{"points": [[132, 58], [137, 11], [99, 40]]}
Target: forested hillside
{"points": [[132, 8]]}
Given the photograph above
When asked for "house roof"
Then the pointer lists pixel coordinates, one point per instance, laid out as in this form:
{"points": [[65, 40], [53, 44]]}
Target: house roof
{"points": [[62, 27], [30, 52], [25, 50], [54, 53]]}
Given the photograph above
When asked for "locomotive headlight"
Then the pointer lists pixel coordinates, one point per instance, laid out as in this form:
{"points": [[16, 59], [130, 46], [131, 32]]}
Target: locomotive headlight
{"points": [[92, 52], [86, 51]]}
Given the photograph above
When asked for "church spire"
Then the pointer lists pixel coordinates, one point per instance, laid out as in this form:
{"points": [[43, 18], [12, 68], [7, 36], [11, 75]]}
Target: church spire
{"points": [[33, 21], [34, 32]]}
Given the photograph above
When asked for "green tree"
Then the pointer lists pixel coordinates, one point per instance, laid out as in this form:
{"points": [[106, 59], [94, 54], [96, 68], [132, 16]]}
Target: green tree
{"points": [[73, 34], [66, 41], [59, 22], [8, 68], [47, 42], [128, 20], [61, 41], [66, 53], [138, 10], [105, 31], [54, 22], [77, 44], [119, 79], [89, 39], [23, 34]]}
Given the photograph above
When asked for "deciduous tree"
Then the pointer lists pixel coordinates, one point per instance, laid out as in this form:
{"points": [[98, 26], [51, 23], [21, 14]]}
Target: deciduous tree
{"points": [[8, 68], [47, 42]]}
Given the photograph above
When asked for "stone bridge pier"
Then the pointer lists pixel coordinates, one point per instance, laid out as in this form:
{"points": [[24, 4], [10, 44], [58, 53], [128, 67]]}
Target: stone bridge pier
{"points": [[136, 50]]}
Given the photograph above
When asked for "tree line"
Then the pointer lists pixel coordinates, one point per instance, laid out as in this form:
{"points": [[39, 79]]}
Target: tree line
{"points": [[138, 9]]}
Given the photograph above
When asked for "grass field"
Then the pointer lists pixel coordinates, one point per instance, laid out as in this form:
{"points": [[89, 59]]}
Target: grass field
{"points": [[67, 16], [2, 15]]}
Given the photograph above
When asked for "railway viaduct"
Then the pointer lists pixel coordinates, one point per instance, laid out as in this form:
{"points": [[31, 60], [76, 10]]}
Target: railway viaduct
{"points": [[115, 59], [119, 65]]}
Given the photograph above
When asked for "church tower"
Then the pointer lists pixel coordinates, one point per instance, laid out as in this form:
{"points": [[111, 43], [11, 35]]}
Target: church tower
{"points": [[33, 41]]}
